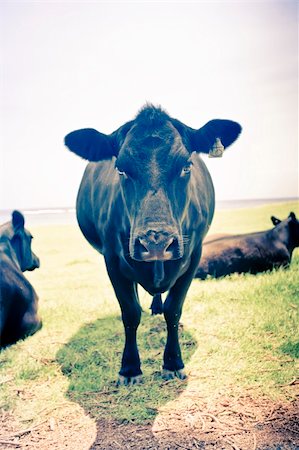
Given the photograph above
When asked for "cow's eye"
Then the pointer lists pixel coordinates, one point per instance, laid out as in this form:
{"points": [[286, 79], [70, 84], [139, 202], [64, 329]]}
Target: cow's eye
{"points": [[122, 173], [186, 169]]}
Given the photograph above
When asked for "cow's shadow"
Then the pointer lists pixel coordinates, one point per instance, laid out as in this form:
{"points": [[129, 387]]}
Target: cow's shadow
{"points": [[91, 360]]}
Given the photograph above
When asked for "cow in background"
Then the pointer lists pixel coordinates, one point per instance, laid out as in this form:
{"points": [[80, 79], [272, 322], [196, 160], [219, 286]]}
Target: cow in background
{"points": [[146, 202], [18, 299], [251, 252]]}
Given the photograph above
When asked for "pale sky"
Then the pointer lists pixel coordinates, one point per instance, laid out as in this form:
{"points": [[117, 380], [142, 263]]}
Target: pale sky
{"points": [[71, 65]]}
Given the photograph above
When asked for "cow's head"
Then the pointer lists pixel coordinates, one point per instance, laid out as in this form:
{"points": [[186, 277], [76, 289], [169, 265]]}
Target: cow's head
{"points": [[154, 167], [288, 228], [20, 240]]}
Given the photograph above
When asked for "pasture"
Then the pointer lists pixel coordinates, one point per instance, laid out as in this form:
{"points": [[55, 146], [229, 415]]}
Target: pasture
{"points": [[240, 342]]}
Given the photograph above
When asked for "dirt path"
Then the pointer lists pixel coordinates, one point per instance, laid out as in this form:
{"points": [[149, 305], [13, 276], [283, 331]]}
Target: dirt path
{"points": [[221, 423], [225, 424]]}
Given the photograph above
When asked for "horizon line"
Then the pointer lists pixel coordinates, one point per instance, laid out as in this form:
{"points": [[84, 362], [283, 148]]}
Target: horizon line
{"points": [[60, 209]]}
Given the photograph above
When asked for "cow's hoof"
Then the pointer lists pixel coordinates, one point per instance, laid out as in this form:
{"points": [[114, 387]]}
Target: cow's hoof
{"points": [[181, 374], [128, 381], [172, 374]]}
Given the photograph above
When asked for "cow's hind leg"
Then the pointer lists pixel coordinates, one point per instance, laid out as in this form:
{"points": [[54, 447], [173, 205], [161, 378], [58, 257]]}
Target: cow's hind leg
{"points": [[126, 293]]}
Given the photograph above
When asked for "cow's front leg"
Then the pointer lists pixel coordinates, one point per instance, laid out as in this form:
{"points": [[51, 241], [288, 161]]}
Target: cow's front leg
{"points": [[173, 363], [126, 293]]}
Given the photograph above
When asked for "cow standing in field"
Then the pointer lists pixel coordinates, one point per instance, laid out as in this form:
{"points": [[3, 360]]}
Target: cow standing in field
{"points": [[18, 299], [145, 202], [251, 252]]}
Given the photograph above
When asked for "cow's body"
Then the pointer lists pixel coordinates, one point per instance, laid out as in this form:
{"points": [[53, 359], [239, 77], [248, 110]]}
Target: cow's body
{"points": [[146, 203], [18, 299], [251, 252], [110, 233]]}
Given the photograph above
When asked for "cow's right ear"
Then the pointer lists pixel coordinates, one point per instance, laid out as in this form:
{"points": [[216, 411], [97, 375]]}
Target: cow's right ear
{"points": [[90, 144], [275, 221], [292, 215], [18, 221]]}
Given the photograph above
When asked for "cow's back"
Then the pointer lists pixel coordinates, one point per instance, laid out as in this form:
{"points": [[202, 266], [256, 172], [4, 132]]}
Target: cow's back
{"points": [[252, 252]]}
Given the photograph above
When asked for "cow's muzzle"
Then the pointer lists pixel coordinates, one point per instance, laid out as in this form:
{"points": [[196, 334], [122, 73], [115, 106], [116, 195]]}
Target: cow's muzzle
{"points": [[35, 263], [156, 246]]}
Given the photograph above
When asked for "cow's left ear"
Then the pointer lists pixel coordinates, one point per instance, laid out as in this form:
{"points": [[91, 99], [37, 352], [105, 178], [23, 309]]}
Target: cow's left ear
{"points": [[214, 137], [293, 216], [18, 221], [275, 221]]}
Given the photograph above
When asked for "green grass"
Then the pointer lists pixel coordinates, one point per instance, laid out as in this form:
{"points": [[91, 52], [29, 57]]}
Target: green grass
{"points": [[239, 332], [250, 327]]}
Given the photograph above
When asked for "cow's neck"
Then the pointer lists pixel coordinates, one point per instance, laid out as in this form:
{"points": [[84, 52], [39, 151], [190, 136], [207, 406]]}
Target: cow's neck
{"points": [[284, 237], [8, 250]]}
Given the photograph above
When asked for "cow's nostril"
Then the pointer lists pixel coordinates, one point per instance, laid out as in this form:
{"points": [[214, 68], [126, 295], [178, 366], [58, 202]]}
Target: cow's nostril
{"points": [[142, 245], [172, 245]]}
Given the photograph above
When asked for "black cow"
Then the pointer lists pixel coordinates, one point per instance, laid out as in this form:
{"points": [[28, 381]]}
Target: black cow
{"points": [[18, 299], [145, 202], [251, 252]]}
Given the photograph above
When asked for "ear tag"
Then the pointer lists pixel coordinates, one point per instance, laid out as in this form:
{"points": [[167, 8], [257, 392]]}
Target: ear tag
{"points": [[217, 149]]}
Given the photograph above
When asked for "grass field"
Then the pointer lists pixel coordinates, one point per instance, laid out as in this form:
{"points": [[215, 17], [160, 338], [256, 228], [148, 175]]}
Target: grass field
{"points": [[239, 333]]}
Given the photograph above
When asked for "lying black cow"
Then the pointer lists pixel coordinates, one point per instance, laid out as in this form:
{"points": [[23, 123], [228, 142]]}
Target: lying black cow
{"points": [[18, 300], [251, 252], [145, 202]]}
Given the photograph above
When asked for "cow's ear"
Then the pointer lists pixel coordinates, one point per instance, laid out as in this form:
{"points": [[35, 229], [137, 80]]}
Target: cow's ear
{"points": [[90, 144], [275, 221], [214, 137], [18, 220], [292, 216], [94, 146]]}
